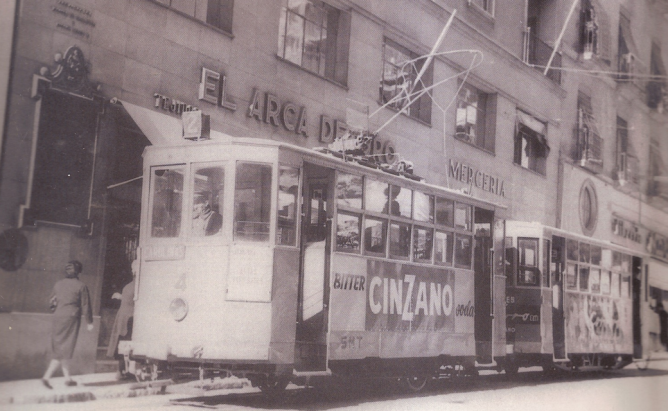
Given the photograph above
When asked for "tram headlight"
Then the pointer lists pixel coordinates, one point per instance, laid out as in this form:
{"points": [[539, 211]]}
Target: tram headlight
{"points": [[178, 308]]}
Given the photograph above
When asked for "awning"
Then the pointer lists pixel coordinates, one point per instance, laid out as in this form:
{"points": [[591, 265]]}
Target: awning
{"points": [[658, 274], [534, 125], [160, 129]]}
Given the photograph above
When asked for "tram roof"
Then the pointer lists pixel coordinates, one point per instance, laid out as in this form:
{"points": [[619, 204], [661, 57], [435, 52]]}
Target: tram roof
{"points": [[576, 236], [223, 139]]}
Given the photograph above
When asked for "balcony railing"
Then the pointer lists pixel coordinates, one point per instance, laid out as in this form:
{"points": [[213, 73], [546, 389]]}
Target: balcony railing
{"points": [[537, 53]]}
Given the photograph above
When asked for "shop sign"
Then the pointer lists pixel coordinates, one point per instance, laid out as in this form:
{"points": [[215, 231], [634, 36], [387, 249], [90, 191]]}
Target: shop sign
{"points": [[466, 173], [657, 245], [172, 105], [627, 230]]}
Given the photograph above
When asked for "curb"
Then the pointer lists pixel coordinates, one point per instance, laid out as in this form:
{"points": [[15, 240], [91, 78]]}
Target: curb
{"points": [[131, 390]]}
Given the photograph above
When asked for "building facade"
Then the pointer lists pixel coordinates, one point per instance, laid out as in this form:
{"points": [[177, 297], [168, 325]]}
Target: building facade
{"points": [[91, 83]]}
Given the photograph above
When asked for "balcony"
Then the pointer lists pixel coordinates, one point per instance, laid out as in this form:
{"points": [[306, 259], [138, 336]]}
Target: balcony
{"points": [[537, 53]]}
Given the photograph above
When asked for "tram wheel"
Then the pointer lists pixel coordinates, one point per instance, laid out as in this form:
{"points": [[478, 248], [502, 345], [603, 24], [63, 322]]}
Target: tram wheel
{"points": [[274, 386], [416, 383]]}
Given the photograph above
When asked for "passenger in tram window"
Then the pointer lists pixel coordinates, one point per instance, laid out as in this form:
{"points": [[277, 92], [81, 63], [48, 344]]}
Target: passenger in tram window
{"points": [[392, 206], [206, 222]]}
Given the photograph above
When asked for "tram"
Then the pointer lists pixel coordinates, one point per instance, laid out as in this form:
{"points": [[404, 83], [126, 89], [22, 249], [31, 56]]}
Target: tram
{"points": [[308, 265], [572, 302], [279, 263]]}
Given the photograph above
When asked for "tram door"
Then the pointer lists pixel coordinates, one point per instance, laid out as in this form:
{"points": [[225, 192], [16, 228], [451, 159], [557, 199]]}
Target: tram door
{"points": [[482, 265], [557, 264], [637, 296], [312, 315]]}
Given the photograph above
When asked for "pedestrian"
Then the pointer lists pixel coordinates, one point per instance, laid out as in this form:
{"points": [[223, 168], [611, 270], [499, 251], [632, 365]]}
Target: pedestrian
{"points": [[68, 301], [122, 328]]}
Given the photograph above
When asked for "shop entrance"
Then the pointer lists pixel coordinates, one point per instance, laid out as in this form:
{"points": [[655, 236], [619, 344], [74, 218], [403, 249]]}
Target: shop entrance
{"points": [[122, 213]]}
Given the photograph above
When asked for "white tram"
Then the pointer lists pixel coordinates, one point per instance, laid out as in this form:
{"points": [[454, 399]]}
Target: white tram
{"points": [[277, 263]]}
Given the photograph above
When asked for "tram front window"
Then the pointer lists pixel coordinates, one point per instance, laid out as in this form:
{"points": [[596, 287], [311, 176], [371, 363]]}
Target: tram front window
{"points": [[167, 198], [208, 186], [252, 202]]}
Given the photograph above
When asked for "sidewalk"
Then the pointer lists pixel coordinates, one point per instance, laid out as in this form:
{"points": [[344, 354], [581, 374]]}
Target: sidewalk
{"points": [[101, 386]]}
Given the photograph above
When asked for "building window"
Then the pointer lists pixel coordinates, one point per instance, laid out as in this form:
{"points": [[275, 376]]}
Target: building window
{"points": [[627, 51], [589, 144], [594, 31], [475, 117], [315, 36], [588, 208], [627, 164], [216, 13], [397, 83], [531, 148], [657, 186], [657, 92], [486, 5]]}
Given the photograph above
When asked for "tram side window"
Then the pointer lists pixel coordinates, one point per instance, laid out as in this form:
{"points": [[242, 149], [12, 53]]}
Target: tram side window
{"points": [[423, 207], [375, 196], [572, 250], [595, 253], [546, 263], [423, 239], [167, 191], [626, 286], [208, 185], [445, 214], [463, 216], [463, 250], [400, 204], [605, 282], [252, 202], [571, 276], [288, 188], [595, 280], [400, 240], [584, 252], [614, 284], [443, 246], [375, 233], [584, 278], [347, 232], [348, 190], [527, 273]]}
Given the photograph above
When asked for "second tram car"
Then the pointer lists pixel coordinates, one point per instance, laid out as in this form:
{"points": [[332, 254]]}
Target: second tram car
{"points": [[280, 263], [571, 301]]}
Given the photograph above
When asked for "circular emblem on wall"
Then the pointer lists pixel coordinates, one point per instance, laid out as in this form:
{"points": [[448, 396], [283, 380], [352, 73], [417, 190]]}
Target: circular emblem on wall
{"points": [[13, 249], [588, 207]]}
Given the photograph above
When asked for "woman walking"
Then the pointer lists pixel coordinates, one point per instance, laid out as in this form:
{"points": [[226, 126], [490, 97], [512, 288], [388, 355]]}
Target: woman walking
{"points": [[69, 300]]}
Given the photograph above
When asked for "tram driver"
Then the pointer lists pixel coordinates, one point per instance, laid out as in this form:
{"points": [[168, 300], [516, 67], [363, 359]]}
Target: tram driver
{"points": [[205, 220]]}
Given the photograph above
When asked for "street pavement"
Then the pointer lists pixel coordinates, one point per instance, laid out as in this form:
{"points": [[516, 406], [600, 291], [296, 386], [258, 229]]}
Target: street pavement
{"points": [[102, 386]]}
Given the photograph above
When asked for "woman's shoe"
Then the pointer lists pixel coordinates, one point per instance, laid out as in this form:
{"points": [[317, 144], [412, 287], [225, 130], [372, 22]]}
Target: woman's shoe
{"points": [[46, 383], [71, 383]]}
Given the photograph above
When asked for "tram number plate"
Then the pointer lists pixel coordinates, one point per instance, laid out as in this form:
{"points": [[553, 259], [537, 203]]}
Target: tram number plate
{"points": [[351, 342]]}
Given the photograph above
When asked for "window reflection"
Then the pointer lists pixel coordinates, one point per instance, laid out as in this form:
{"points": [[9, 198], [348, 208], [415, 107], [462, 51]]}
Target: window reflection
{"points": [[422, 243], [400, 202], [463, 216], [400, 240], [349, 190], [288, 188], [208, 186], [443, 246], [375, 196], [463, 250], [347, 232], [571, 276], [605, 282], [595, 280], [423, 208], [375, 233], [252, 200], [167, 202], [445, 211]]}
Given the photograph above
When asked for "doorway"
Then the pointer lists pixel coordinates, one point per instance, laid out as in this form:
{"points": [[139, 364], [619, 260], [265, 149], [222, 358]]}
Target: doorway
{"points": [[312, 314], [557, 264], [482, 267]]}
